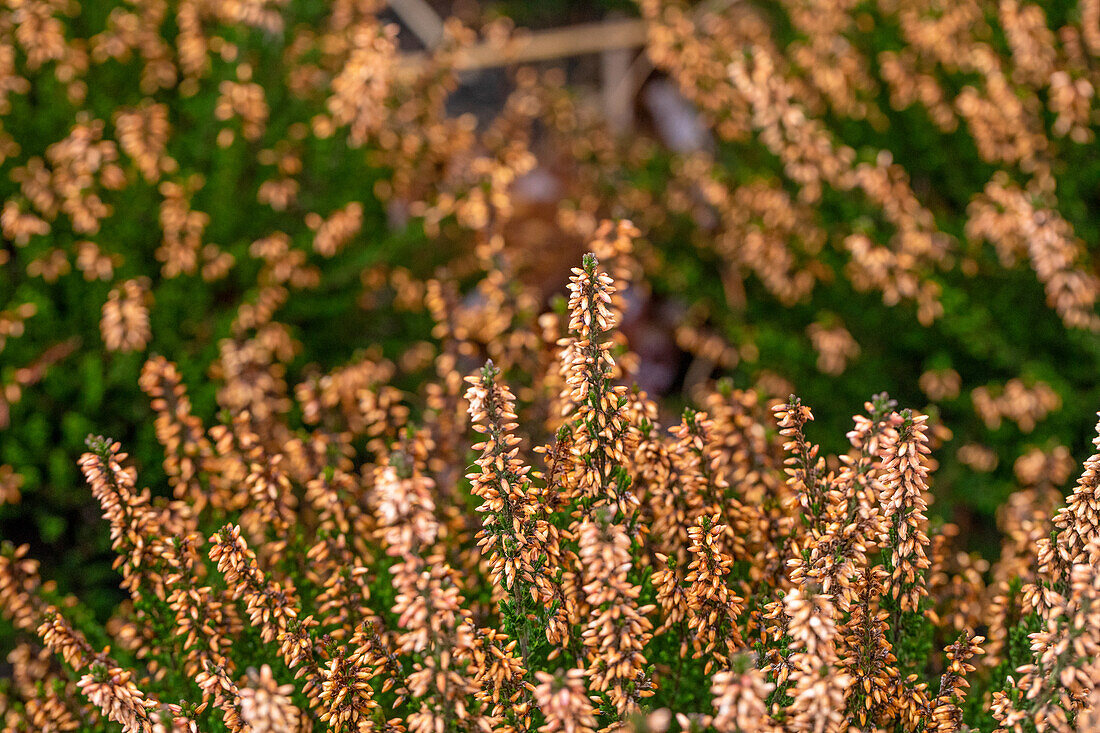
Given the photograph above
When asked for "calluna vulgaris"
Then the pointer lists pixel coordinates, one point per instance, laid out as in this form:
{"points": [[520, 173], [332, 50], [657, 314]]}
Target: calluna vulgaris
{"points": [[364, 567]]}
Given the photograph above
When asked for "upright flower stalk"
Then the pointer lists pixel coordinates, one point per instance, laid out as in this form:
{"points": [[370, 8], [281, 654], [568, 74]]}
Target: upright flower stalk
{"points": [[594, 404], [521, 545], [905, 485]]}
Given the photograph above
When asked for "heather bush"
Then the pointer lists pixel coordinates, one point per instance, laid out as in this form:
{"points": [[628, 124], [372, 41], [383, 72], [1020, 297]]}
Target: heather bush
{"points": [[255, 244], [402, 566], [867, 154], [171, 176], [879, 196]]}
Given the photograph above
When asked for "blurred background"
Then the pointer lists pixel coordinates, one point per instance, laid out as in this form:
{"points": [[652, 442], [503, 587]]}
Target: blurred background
{"points": [[835, 199]]}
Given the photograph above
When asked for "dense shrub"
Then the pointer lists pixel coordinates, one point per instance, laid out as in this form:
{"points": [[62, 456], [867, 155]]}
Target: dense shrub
{"points": [[276, 199], [163, 165], [349, 576], [172, 173], [937, 158]]}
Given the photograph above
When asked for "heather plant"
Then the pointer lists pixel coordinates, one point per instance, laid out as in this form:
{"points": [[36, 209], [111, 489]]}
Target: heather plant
{"points": [[204, 182], [157, 174], [912, 155], [526, 547], [263, 216]]}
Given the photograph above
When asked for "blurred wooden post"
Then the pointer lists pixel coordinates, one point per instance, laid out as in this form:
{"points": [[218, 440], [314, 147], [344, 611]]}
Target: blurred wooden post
{"points": [[547, 45], [421, 19], [615, 34], [616, 66]]}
